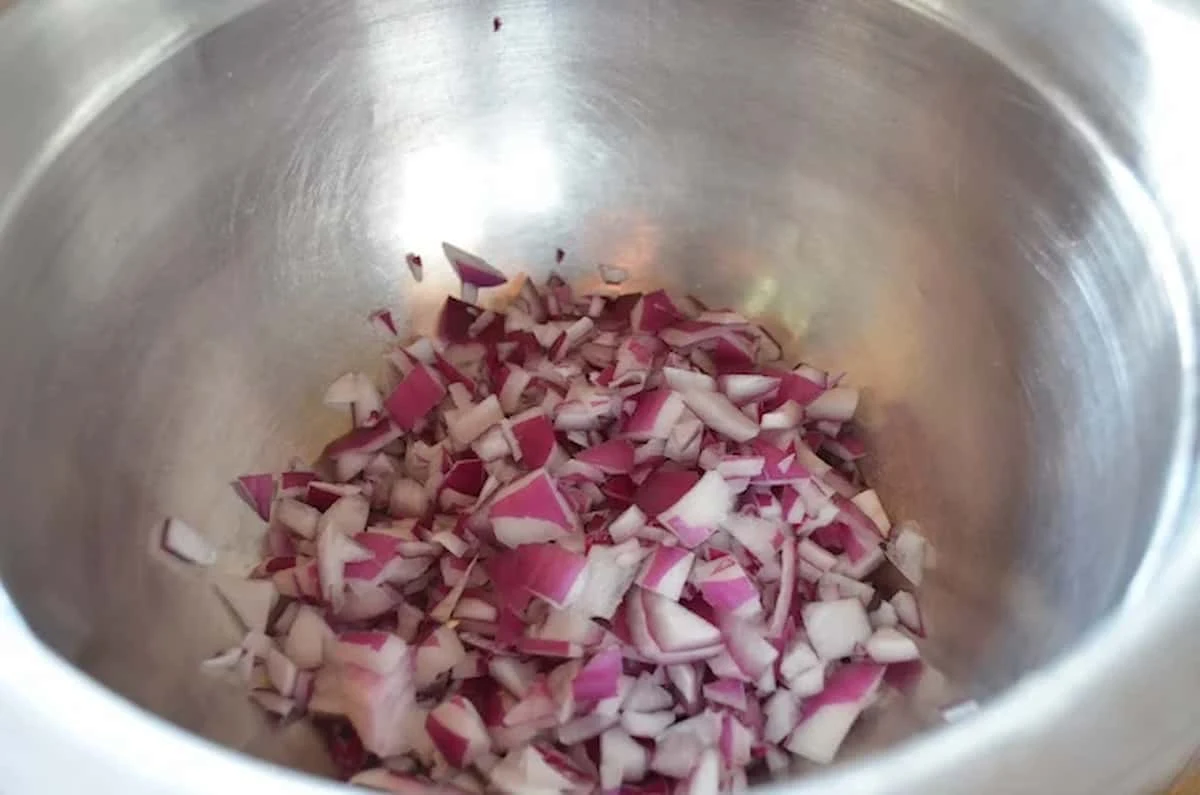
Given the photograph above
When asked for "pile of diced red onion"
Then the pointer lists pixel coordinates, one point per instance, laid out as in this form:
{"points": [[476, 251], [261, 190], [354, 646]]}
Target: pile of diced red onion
{"points": [[588, 543]]}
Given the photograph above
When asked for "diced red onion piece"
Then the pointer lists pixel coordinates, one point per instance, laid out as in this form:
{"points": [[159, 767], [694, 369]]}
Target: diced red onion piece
{"points": [[546, 570], [444, 609], [457, 731], [471, 423], [537, 769], [908, 612], [838, 404], [258, 491], [250, 600], [717, 412], [797, 660], [907, 549], [740, 466], [748, 647], [471, 269], [656, 413], [512, 674], [787, 589], [376, 686], [382, 320], [761, 537], [345, 518], [868, 502], [627, 524], [610, 572], [789, 415], [386, 780], [299, 517], [281, 672], [736, 742], [437, 654], [417, 394], [654, 312], [274, 703], [889, 645], [957, 712], [698, 513], [705, 779], [185, 543], [728, 693], [308, 638], [531, 437], [683, 380], [531, 510], [586, 727], [622, 759], [666, 571], [826, 718], [224, 662], [724, 584], [415, 266], [782, 714], [672, 626], [614, 457], [833, 586], [748, 387], [356, 390], [836, 628], [534, 461], [678, 749], [598, 678], [884, 616]]}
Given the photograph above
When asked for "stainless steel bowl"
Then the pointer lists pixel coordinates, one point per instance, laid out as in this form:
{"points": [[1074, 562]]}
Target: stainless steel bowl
{"points": [[988, 213]]}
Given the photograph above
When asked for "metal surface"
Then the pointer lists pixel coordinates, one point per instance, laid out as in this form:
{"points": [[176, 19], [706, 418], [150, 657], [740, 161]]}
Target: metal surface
{"points": [[989, 214]]}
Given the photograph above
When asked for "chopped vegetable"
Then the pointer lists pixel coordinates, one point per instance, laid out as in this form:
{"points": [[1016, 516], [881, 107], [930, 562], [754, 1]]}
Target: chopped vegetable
{"points": [[184, 542], [580, 543], [415, 267]]}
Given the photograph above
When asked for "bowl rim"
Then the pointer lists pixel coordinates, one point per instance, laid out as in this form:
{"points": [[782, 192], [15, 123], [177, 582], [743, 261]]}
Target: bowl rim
{"points": [[1114, 713]]}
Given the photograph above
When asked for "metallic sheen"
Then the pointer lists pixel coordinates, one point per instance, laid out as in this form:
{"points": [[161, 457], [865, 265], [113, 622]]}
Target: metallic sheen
{"points": [[987, 213]]}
